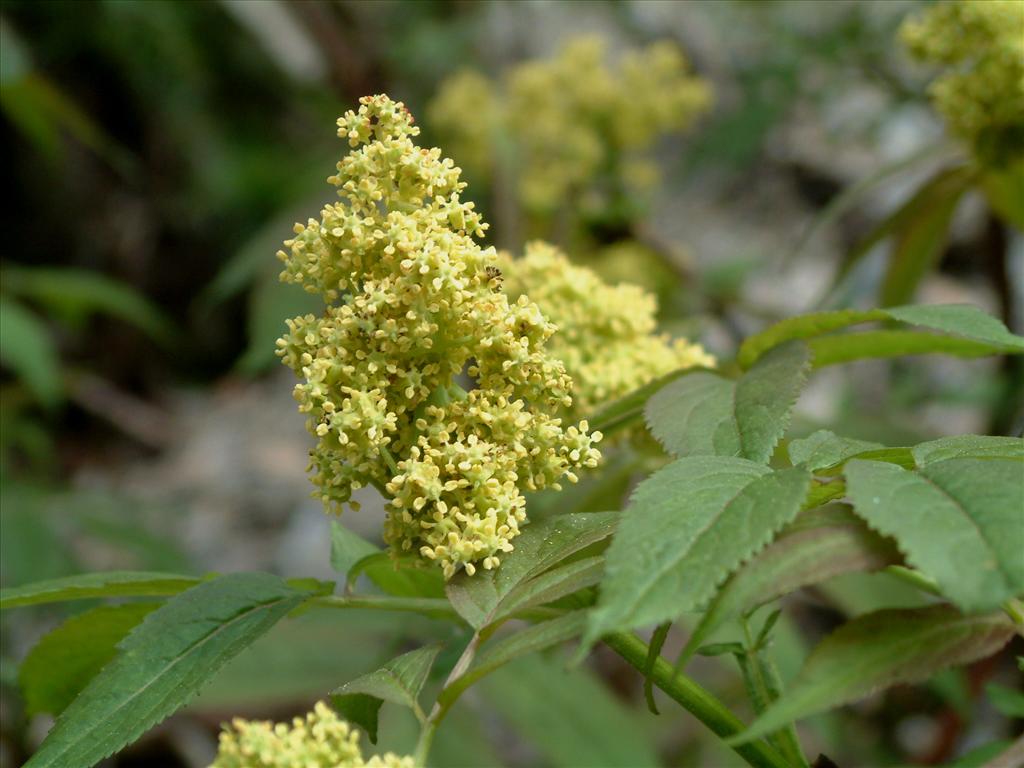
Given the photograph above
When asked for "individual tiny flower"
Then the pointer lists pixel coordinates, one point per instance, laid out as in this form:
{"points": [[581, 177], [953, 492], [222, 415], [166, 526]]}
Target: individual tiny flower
{"points": [[606, 333], [981, 92], [412, 307], [319, 740]]}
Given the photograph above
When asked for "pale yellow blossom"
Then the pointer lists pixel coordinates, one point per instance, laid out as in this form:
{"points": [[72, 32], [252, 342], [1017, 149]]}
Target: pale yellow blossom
{"points": [[606, 334], [319, 740], [413, 303]]}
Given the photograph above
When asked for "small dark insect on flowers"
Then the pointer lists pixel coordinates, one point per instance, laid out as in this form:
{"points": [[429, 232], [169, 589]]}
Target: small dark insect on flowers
{"points": [[495, 277]]}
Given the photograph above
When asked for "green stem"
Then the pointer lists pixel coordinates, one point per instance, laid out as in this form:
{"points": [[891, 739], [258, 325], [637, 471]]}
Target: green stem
{"points": [[437, 714], [699, 702], [759, 674], [914, 578], [419, 757]]}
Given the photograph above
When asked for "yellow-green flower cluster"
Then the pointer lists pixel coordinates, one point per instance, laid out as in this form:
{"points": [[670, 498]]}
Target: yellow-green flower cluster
{"points": [[565, 123], [606, 333], [982, 93], [413, 302], [319, 740]]}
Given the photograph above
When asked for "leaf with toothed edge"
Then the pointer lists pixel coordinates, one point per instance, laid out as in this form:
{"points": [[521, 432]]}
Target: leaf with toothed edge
{"points": [[399, 681], [818, 545], [688, 526], [705, 414], [968, 447], [163, 663], [826, 449], [960, 521], [958, 321]]}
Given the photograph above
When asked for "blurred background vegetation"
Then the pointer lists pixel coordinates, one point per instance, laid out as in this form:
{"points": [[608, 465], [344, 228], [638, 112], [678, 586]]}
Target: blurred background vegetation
{"points": [[157, 153]]}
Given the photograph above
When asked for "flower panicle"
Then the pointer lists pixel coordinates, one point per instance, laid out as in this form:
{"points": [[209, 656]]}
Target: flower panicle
{"points": [[562, 121], [981, 92], [413, 305], [606, 336]]}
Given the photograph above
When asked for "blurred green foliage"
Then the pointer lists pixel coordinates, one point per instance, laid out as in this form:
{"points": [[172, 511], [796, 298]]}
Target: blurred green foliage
{"points": [[159, 152]]}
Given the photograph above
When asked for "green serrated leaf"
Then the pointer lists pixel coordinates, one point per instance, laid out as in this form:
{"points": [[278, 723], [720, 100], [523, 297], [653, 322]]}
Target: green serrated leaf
{"points": [[686, 529], [65, 660], [704, 414], [109, 584], [630, 408], [958, 320], [534, 638], [968, 446], [399, 681], [552, 585], [347, 548], [963, 320], [162, 663], [693, 416], [820, 544], [877, 345], [877, 651], [960, 521], [488, 595], [826, 449]]}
